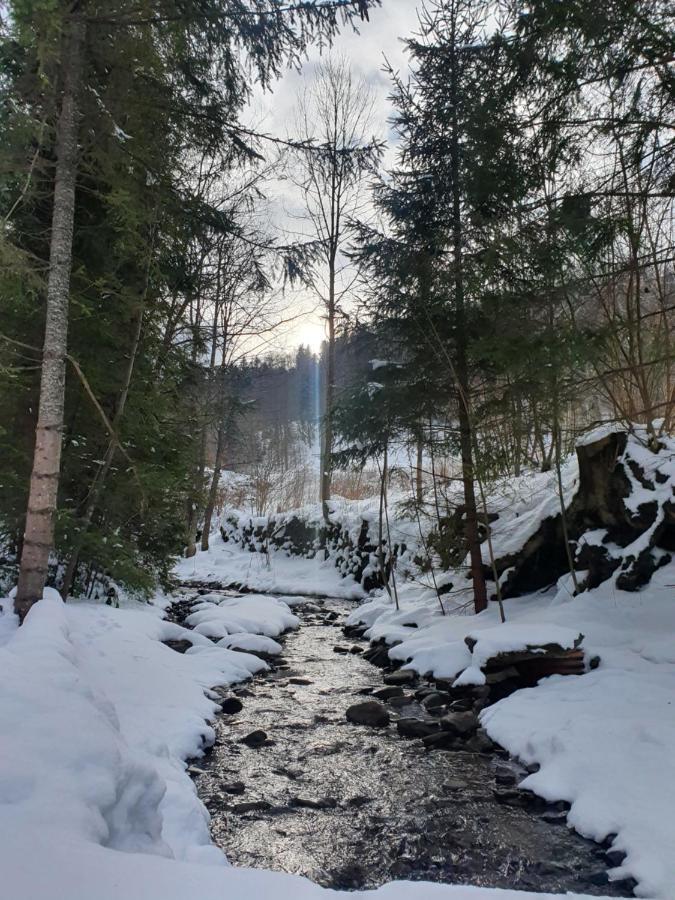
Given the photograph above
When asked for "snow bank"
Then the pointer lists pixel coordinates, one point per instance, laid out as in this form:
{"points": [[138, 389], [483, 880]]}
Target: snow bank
{"points": [[216, 616], [96, 719], [226, 563]]}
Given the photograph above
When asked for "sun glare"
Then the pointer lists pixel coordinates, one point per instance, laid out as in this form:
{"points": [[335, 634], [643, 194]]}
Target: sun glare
{"points": [[309, 334]]}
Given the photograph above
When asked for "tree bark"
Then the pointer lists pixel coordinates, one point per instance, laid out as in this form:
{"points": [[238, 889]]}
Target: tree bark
{"points": [[462, 369], [38, 540], [213, 487], [419, 485], [329, 399]]}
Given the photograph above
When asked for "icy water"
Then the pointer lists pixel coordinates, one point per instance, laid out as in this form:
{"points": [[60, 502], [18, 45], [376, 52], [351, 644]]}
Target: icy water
{"points": [[353, 807]]}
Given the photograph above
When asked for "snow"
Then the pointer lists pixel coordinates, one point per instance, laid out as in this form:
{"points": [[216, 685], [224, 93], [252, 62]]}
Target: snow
{"points": [[97, 718], [226, 563], [216, 616]]}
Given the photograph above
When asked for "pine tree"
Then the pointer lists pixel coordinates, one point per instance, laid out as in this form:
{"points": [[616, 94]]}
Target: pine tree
{"points": [[192, 91]]}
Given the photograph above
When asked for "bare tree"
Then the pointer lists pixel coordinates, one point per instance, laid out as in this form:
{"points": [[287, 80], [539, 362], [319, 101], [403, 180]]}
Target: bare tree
{"points": [[333, 120]]}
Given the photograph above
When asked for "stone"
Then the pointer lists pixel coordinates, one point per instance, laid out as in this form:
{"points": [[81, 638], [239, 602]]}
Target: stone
{"points": [[355, 649], [386, 693], [179, 646], [416, 728], [480, 742], [615, 858], [195, 770], [300, 681], [255, 739], [434, 701], [311, 803], [251, 806], [459, 724], [401, 676], [597, 878], [340, 649], [370, 712], [481, 691], [400, 702], [359, 800], [378, 656], [231, 705], [425, 691], [234, 787], [464, 704], [516, 797], [554, 817], [505, 776], [441, 740]]}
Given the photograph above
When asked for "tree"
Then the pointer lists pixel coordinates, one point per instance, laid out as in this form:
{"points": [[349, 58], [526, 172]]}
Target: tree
{"points": [[458, 173], [201, 84], [333, 119], [38, 537]]}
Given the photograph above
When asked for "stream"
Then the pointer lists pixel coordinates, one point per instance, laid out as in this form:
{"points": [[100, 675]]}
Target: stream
{"points": [[352, 807]]}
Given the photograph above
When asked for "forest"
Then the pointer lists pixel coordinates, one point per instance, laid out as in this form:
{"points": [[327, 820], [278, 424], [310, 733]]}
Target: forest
{"points": [[350, 315]]}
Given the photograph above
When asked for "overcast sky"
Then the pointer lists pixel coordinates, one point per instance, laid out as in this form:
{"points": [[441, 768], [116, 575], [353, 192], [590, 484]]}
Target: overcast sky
{"points": [[273, 112]]}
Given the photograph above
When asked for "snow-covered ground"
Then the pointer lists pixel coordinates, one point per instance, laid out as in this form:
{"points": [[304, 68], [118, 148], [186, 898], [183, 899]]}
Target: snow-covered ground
{"points": [[227, 563], [97, 718]]}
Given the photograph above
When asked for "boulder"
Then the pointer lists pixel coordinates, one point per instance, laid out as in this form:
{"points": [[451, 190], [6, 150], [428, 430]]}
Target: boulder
{"points": [[370, 712], [434, 701], [235, 787], [441, 740], [400, 702], [386, 693], [231, 705], [401, 676], [416, 728], [255, 739], [459, 724]]}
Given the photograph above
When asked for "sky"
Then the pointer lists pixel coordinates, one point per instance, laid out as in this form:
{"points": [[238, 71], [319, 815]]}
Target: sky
{"points": [[272, 112]]}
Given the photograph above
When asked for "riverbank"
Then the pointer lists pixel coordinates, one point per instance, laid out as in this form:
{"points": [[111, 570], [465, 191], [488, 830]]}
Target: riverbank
{"points": [[99, 717]]}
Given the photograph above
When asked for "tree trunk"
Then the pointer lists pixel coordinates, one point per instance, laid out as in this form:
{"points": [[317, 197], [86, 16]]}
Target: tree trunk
{"points": [[38, 540], [462, 371], [419, 487], [327, 445], [215, 480]]}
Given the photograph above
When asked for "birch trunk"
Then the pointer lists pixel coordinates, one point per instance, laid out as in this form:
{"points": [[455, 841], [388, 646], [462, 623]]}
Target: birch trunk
{"points": [[38, 541]]}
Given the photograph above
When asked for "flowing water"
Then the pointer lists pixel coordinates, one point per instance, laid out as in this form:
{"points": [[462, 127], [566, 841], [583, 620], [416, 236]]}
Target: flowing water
{"points": [[353, 807]]}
